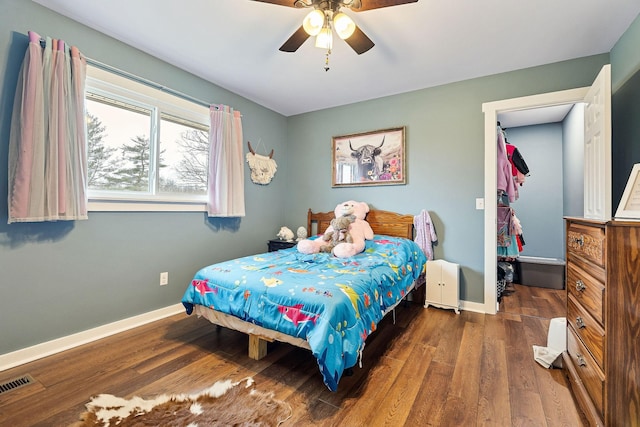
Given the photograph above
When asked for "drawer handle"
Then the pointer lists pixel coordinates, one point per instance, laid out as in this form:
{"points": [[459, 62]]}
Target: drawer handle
{"points": [[580, 286], [579, 240], [581, 361], [579, 322]]}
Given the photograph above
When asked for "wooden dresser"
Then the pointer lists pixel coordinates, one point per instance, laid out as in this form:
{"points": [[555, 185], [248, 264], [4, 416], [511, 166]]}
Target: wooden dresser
{"points": [[602, 359]]}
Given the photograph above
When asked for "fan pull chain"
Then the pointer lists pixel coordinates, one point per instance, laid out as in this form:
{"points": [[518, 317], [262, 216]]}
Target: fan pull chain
{"points": [[326, 61]]}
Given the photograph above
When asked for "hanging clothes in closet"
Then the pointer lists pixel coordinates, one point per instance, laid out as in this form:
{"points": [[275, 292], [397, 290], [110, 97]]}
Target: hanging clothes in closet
{"points": [[519, 168], [510, 243], [505, 181], [518, 171], [512, 170], [509, 239]]}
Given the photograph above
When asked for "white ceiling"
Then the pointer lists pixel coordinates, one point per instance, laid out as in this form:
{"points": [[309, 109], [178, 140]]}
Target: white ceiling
{"points": [[534, 116], [234, 43]]}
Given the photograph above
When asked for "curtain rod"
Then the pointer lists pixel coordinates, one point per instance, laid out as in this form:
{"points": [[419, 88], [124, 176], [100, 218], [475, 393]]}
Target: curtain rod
{"points": [[139, 79]]}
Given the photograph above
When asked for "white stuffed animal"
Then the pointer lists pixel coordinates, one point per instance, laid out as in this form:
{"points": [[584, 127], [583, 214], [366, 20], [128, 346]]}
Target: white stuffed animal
{"points": [[285, 234], [301, 233]]}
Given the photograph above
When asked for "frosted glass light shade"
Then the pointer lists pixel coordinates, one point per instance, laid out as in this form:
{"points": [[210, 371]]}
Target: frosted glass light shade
{"points": [[313, 22], [343, 25], [324, 39]]}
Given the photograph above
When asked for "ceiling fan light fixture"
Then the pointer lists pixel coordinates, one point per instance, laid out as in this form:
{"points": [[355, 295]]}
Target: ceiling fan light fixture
{"points": [[313, 22], [343, 25], [324, 39]]}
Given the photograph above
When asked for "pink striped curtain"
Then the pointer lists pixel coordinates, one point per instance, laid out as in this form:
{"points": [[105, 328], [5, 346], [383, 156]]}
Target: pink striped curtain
{"points": [[47, 146], [226, 165]]}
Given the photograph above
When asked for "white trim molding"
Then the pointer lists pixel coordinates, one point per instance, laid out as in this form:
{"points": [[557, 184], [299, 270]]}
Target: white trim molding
{"points": [[38, 351]]}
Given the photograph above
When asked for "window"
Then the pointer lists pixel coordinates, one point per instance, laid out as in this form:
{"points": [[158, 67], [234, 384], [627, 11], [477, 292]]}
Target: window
{"points": [[147, 149]]}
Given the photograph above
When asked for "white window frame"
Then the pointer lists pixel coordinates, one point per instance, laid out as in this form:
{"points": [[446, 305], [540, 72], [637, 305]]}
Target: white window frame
{"points": [[111, 84]]}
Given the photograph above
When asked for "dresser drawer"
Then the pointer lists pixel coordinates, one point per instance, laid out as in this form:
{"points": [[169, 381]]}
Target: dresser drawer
{"points": [[586, 241], [587, 291], [587, 329], [590, 374]]}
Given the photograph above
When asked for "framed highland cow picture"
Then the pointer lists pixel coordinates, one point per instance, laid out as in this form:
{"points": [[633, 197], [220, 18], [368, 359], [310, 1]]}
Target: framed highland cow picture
{"points": [[369, 158]]}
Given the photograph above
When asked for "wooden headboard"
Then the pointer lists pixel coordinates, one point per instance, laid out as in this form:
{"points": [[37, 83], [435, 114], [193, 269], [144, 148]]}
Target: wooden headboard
{"points": [[381, 222]]}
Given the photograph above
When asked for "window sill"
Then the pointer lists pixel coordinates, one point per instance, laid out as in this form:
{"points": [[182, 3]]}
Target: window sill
{"points": [[145, 206]]}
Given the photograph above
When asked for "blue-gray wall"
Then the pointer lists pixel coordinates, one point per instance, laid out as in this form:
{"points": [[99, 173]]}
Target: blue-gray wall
{"points": [[625, 57], [626, 133], [60, 278], [573, 162], [57, 279], [540, 204], [625, 83], [445, 151]]}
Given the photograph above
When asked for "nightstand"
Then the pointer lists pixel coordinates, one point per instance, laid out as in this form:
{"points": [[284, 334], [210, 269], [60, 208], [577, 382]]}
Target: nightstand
{"points": [[277, 244]]}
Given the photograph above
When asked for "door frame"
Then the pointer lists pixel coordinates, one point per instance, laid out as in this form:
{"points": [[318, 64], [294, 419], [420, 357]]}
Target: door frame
{"points": [[491, 111]]}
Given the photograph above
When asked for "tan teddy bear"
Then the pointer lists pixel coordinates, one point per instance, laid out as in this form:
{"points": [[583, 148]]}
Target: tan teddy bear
{"points": [[339, 233]]}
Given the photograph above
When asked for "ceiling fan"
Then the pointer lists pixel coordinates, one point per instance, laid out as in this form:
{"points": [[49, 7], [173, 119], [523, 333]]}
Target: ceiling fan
{"points": [[327, 15]]}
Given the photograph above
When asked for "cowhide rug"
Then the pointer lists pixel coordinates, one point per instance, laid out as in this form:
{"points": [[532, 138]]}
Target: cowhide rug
{"points": [[224, 404]]}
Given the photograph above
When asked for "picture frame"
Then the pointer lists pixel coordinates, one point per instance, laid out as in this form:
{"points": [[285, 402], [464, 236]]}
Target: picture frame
{"points": [[369, 158], [629, 207]]}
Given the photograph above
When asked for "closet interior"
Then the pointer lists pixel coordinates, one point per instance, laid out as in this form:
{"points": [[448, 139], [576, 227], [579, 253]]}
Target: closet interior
{"points": [[512, 172]]}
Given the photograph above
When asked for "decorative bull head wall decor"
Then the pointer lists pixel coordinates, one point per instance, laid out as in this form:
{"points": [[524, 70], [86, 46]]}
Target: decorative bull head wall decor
{"points": [[263, 168]]}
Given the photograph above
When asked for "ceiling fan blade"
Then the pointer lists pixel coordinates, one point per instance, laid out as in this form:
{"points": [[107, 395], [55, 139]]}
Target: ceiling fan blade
{"points": [[295, 41], [378, 4], [355, 5], [359, 41], [288, 3]]}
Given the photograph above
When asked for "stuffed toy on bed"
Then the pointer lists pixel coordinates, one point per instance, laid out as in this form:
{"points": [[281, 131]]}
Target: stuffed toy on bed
{"points": [[339, 234], [360, 230]]}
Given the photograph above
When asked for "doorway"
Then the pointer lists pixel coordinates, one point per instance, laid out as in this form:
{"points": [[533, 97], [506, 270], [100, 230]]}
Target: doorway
{"points": [[550, 143], [597, 161]]}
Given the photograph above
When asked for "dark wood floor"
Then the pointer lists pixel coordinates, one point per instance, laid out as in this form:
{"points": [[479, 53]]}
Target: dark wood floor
{"points": [[432, 367]]}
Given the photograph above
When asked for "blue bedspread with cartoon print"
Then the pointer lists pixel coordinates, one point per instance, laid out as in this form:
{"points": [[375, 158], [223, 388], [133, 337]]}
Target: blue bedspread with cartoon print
{"points": [[332, 303]]}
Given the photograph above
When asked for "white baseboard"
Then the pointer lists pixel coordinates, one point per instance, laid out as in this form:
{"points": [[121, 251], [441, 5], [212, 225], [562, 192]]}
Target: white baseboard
{"points": [[38, 351]]}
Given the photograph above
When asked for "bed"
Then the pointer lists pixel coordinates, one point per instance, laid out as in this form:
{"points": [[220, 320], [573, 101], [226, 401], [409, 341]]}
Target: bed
{"points": [[319, 302]]}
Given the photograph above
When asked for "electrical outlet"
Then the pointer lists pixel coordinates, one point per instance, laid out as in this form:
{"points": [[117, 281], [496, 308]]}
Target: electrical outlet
{"points": [[164, 278]]}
